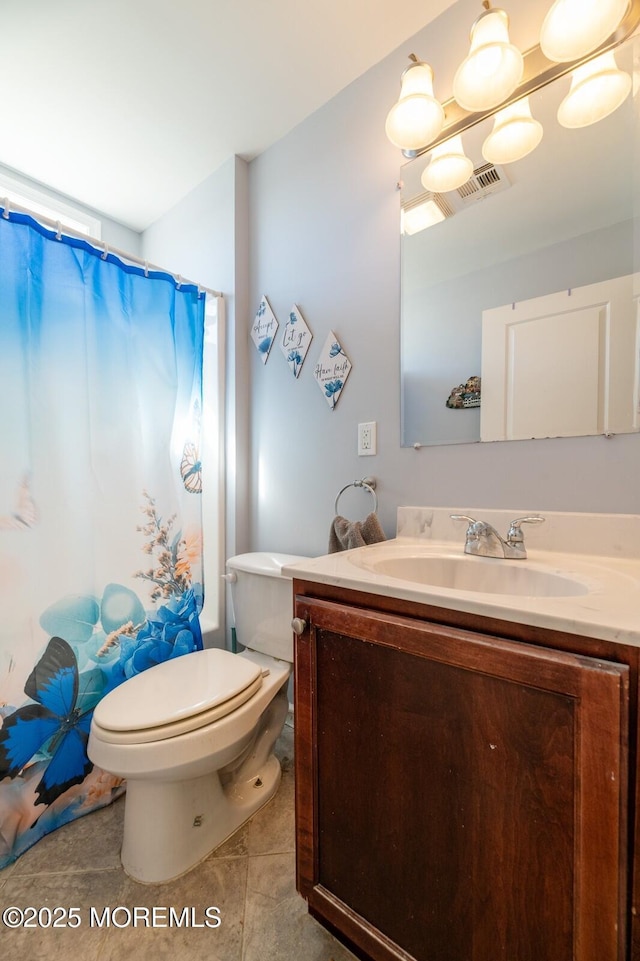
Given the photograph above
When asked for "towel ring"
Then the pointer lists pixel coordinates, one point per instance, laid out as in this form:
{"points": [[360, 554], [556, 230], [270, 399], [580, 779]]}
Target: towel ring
{"points": [[368, 483]]}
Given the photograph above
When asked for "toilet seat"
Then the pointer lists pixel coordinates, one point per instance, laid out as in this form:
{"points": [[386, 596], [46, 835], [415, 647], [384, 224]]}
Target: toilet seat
{"points": [[177, 696]]}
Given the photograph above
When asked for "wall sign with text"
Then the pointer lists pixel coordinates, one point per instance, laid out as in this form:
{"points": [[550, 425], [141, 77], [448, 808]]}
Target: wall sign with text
{"points": [[296, 340], [263, 330], [332, 369]]}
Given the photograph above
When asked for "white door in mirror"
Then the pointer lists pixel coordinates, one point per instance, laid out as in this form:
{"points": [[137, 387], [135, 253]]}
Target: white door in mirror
{"points": [[562, 365]]}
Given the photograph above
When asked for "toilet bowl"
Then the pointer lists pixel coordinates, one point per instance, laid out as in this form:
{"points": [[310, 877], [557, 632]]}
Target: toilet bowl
{"points": [[194, 736]]}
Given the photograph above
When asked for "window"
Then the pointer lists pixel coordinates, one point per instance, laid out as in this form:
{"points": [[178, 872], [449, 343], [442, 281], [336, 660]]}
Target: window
{"points": [[40, 203]]}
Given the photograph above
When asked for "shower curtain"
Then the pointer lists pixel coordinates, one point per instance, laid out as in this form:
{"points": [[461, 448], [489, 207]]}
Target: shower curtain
{"points": [[100, 507]]}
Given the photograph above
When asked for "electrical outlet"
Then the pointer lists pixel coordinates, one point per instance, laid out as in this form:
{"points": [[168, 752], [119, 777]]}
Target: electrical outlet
{"points": [[367, 445]]}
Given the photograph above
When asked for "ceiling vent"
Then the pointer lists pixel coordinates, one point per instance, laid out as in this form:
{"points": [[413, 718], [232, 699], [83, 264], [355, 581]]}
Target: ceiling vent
{"points": [[485, 180], [439, 199]]}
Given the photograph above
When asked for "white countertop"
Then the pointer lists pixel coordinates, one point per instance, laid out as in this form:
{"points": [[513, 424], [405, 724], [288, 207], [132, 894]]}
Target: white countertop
{"points": [[608, 609]]}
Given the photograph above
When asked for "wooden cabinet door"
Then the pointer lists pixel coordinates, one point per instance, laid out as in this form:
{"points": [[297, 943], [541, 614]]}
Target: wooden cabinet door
{"points": [[459, 797]]}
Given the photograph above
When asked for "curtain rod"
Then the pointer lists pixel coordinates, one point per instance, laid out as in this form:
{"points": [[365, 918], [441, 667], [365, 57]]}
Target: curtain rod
{"points": [[100, 246]]}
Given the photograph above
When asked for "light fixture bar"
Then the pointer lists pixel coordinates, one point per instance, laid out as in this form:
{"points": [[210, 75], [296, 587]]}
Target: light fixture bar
{"points": [[538, 72]]}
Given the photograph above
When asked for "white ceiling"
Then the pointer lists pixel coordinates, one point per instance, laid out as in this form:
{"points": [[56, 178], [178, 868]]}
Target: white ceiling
{"points": [[126, 105]]}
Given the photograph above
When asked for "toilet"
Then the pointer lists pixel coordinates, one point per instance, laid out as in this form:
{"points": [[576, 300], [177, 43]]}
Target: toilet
{"points": [[194, 736]]}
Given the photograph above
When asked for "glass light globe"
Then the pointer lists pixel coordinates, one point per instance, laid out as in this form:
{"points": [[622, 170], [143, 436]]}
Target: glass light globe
{"points": [[493, 67], [449, 167], [515, 134], [573, 28], [417, 117], [597, 89]]}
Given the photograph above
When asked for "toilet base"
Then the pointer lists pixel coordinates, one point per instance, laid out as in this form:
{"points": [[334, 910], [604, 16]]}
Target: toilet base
{"points": [[170, 826]]}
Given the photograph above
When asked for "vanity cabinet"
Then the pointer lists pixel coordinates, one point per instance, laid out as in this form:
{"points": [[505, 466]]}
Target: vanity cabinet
{"points": [[463, 785]]}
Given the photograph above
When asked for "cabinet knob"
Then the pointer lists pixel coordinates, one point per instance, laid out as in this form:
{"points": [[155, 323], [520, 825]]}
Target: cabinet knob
{"points": [[298, 626]]}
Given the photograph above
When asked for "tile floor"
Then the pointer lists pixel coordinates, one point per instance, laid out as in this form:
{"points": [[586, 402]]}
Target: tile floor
{"points": [[251, 879]]}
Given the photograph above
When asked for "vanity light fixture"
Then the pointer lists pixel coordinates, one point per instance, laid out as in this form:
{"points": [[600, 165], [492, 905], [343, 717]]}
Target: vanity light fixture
{"points": [[574, 28], [598, 88], [417, 117], [493, 67], [515, 134], [574, 32], [449, 167]]}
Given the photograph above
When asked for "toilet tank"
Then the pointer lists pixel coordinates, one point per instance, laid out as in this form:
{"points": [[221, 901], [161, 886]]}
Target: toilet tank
{"points": [[263, 602]]}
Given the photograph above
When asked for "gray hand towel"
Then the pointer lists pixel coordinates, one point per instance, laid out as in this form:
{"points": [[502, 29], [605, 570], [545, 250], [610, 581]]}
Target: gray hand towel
{"points": [[345, 534]]}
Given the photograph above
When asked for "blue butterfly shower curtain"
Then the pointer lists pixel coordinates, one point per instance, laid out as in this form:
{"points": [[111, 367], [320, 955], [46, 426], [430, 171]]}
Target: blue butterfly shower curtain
{"points": [[100, 515]]}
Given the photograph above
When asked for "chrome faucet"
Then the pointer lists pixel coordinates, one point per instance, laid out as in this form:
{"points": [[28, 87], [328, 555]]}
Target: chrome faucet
{"points": [[483, 540]]}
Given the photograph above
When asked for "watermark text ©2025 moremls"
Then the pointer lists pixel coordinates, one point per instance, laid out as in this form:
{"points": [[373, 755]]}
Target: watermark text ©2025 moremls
{"points": [[119, 916]]}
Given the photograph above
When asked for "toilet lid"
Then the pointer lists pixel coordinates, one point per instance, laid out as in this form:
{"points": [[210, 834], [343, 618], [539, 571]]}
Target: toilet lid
{"points": [[180, 688]]}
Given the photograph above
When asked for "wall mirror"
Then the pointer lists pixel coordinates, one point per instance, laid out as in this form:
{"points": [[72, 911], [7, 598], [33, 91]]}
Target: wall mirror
{"points": [[562, 219]]}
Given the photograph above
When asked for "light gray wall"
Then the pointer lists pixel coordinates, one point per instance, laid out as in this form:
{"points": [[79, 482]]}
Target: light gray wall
{"points": [[204, 238], [117, 235], [324, 235]]}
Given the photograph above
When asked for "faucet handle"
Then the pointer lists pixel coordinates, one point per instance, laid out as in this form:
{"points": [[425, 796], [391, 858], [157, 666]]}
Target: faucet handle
{"points": [[474, 529], [463, 517], [515, 531]]}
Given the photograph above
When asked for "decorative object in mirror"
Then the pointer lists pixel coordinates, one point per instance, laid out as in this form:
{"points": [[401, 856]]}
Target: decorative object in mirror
{"points": [[465, 395]]}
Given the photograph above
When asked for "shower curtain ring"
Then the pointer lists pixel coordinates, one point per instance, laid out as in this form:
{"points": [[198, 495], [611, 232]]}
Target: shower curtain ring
{"points": [[5, 204], [58, 230], [105, 252]]}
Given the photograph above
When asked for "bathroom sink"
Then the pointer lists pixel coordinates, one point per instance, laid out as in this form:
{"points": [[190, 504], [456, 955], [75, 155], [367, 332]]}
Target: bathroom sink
{"points": [[581, 576], [486, 575]]}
